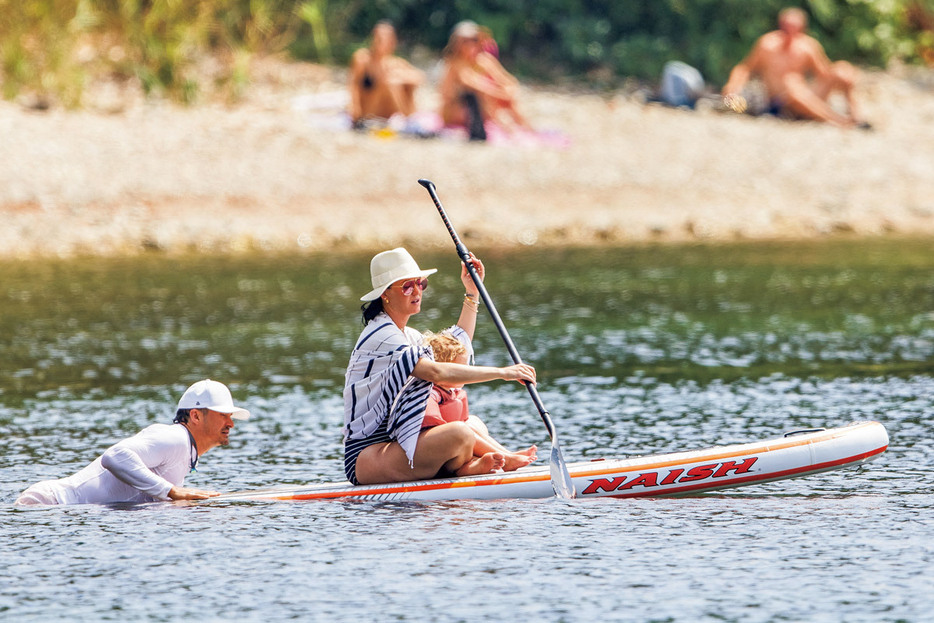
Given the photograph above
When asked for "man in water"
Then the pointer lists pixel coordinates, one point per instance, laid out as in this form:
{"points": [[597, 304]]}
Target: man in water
{"points": [[784, 59], [152, 464]]}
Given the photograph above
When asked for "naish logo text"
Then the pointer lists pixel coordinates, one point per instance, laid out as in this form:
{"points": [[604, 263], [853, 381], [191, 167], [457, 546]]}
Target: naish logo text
{"points": [[677, 475]]}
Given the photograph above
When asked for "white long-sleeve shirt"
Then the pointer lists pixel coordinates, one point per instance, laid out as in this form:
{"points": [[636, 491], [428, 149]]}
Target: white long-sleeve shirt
{"points": [[142, 468]]}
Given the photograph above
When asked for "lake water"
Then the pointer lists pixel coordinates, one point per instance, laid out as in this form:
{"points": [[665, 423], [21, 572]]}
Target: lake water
{"points": [[639, 350]]}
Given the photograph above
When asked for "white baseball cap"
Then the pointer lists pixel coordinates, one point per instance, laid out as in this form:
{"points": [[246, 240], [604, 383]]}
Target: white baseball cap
{"points": [[390, 266], [208, 394]]}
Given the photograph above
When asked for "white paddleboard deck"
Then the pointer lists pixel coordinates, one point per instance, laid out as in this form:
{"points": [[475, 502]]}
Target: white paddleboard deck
{"points": [[682, 473]]}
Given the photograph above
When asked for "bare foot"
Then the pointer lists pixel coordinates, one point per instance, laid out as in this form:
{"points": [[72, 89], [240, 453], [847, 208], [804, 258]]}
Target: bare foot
{"points": [[488, 463], [516, 460], [531, 451]]}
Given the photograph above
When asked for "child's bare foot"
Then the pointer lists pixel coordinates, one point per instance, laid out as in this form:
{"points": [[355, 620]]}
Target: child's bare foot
{"points": [[488, 463], [516, 460], [531, 451]]}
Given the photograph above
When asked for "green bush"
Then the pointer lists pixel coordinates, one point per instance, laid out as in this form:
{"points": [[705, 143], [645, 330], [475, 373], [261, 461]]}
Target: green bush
{"points": [[43, 43], [36, 49]]}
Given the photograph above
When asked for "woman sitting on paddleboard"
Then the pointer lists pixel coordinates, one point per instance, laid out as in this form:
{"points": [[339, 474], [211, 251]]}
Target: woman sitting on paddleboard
{"points": [[390, 375]]}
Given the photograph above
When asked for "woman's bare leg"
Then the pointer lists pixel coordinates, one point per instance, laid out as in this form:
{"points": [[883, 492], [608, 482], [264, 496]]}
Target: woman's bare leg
{"points": [[405, 97], [448, 447]]}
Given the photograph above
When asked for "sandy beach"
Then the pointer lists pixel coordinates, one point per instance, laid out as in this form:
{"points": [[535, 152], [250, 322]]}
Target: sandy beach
{"points": [[274, 173]]}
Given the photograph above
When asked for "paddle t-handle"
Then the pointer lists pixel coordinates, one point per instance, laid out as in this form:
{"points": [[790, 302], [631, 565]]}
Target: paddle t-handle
{"points": [[560, 477]]}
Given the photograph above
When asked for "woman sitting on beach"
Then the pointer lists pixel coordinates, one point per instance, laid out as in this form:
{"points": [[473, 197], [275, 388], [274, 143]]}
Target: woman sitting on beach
{"points": [[475, 87], [389, 378], [381, 84]]}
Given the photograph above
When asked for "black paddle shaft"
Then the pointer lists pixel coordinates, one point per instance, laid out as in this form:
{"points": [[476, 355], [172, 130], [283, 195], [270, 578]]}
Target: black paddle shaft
{"points": [[465, 258]]}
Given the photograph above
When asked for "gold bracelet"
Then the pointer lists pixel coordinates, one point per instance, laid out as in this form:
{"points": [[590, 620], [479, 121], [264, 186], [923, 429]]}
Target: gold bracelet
{"points": [[471, 302]]}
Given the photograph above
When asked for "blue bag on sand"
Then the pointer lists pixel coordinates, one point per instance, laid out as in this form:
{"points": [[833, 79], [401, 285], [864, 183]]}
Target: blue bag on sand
{"points": [[682, 85]]}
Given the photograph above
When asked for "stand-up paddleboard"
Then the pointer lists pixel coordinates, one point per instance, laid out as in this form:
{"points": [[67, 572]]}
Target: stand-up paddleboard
{"points": [[796, 454]]}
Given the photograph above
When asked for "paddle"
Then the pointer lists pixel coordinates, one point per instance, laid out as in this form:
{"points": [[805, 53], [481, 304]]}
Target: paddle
{"points": [[560, 477]]}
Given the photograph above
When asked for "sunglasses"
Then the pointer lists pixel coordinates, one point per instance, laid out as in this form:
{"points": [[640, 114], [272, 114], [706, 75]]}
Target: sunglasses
{"points": [[409, 286]]}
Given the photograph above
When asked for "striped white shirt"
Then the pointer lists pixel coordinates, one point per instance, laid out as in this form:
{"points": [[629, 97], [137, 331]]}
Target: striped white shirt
{"points": [[380, 393]]}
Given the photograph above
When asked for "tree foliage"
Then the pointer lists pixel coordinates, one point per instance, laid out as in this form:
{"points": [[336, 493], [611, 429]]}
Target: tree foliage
{"points": [[637, 37], [53, 47]]}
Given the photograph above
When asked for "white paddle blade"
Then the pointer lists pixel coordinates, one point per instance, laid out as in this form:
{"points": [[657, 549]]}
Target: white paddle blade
{"points": [[560, 476]]}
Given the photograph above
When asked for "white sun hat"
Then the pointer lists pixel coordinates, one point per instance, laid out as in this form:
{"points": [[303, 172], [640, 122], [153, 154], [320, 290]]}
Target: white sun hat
{"points": [[208, 394], [390, 266]]}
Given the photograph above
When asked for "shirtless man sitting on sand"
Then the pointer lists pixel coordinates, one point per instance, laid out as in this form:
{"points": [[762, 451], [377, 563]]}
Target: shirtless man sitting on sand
{"points": [[784, 59]]}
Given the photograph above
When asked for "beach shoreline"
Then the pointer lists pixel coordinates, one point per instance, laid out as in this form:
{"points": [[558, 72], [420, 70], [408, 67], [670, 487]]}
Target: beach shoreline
{"points": [[276, 172]]}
